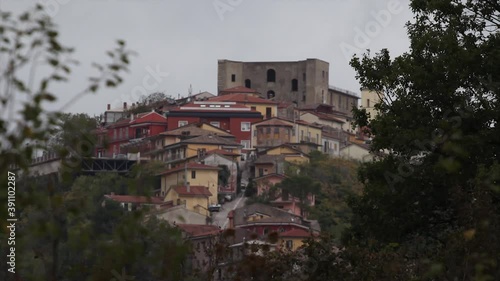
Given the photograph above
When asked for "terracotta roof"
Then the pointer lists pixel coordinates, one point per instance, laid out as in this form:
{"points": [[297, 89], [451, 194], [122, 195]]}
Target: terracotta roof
{"points": [[275, 215], [239, 89], [211, 139], [135, 199], [197, 230], [325, 116], [274, 122], [270, 175], [148, 117], [307, 123], [195, 190], [297, 232], [242, 98], [284, 104], [190, 166], [269, 159], [222, 152]]}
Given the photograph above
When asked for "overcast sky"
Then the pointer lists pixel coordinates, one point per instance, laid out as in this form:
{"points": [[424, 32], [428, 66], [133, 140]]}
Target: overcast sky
{"points": [[186, 38]]}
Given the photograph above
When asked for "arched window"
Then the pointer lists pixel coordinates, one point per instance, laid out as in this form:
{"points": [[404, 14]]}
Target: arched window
{"points": [[271, 75], [248, 83], [295, 85], [270, 94]]}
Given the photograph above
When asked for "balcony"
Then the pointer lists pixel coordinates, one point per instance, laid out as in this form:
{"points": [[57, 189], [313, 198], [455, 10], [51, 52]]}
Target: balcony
{"points": [[309, 139]]}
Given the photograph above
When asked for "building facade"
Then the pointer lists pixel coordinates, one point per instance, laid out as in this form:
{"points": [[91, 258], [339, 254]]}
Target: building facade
{"points": [[299, 82]]}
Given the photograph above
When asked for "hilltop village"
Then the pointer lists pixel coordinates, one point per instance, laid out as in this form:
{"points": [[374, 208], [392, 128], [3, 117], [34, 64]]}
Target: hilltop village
{"points": [[265, 118]]}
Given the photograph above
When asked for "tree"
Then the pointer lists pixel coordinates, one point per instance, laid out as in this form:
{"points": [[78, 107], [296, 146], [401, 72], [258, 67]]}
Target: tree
{"points": [[435, 196]]}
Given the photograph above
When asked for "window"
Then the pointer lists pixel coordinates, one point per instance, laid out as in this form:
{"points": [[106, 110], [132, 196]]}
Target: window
{"points": [[368, 103], [215, 124], [255, 132], [276, 130], [182, 123], [304, 97], [271, 75], [233, 78], [268, 112], [326, 147], [245, 126], [304, 77], [261, 172], [268, 130], [295, 85], [193, 174], [246, 144], [270, 94], [289, 244], [266, 231], [281, 229], [248, 83]]}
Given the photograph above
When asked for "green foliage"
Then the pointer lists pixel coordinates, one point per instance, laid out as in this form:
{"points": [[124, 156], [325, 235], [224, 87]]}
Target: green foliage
{"points": [[439, 120]]}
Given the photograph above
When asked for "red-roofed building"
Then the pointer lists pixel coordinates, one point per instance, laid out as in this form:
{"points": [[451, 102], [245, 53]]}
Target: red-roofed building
{"points": [[240, 90], [193, 197], [196, 174], [267, 108], [230, 116], [124, 131]]}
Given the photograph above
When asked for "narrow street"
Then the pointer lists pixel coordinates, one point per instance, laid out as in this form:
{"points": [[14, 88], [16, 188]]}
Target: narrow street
{"points": [[220, 218]]}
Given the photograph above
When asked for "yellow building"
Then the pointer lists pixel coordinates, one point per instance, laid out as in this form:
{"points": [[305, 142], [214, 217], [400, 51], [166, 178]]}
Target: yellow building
{"points": [[194, 198], [293, 239], [196, 174], [267, 108]]}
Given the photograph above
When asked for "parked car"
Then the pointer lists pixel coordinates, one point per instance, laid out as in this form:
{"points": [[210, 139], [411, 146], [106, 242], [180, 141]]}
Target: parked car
{"points": [[214, 208], [228, 197]]}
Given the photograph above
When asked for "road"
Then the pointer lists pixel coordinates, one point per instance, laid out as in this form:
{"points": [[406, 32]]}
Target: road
{"points": [[220, 218]]}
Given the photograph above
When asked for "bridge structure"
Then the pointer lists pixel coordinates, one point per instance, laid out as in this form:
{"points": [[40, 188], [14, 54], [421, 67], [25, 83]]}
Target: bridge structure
{"points": [[52, 164]]}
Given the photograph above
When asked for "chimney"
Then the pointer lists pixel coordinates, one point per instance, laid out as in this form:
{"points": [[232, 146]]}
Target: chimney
{"points": [[125, 105], [109, 106]]}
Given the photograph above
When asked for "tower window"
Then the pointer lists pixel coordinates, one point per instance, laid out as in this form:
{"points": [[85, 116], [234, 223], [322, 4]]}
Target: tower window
{"points": [[248, 83], [270, 94], [233, 77], [271, 75], [295, 85]]}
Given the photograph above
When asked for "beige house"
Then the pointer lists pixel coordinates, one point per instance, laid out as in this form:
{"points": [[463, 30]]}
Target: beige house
{"points": [[193, 173], [194, 198]]}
